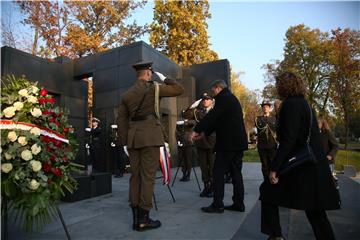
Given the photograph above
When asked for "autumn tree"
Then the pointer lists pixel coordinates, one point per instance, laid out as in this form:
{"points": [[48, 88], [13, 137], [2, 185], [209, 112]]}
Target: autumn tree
{"points": [[345, 62], [179, 31], [306, 53], [78, 28], [248, 100]]}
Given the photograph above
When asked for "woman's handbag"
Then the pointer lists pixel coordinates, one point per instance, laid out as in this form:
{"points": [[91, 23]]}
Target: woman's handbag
{"points": [[304, 155]]}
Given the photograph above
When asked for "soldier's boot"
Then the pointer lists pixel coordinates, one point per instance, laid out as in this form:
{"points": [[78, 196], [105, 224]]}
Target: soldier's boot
{"points": [[145, 222], [187, 176], [206, 189], [135, 212], [210, 193], [184, 176]]}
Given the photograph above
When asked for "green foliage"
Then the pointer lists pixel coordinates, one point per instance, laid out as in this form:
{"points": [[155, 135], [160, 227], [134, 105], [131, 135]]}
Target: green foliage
{"points": [[353, 158], [179, 31]]}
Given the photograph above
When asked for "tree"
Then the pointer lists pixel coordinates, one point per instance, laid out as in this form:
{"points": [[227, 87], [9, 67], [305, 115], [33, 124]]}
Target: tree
{"points": [[100, 25], [306, 53], [248, 100], [78, 28], [345, 62], [179, 31]]}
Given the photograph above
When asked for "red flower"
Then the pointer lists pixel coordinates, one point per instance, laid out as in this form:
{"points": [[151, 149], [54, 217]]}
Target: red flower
{"points": [[65, 159], [57, 143], [46, 112], [58, 124], [52, 120], [46, 167], [43, 92], [46, 139], [66, 130], [52, 158], [50, 100], [56, 171], [42, 101]]}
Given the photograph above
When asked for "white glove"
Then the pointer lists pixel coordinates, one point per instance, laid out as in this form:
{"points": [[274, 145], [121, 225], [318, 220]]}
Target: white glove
{"points": [[88, 129], [126, 151], [113, 126], [160, 75], [112, 144], [179, 144], [87, 146], [195, 104]]}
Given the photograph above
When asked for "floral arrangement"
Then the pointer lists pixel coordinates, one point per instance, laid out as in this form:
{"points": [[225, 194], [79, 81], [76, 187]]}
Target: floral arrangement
{"points": [[37, 147]]}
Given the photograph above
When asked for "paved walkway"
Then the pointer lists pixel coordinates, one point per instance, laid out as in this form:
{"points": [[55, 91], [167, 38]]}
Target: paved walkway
{"points": [[109, 217]]}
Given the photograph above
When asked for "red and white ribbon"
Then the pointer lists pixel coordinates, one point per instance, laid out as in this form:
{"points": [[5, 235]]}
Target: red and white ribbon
{"points": [[8, 124], [165, 165]]}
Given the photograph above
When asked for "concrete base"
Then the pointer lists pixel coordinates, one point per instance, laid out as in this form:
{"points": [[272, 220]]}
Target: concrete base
{"points": [[349, 170]]}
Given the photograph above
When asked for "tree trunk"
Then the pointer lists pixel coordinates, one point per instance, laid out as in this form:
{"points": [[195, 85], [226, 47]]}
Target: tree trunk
{"points": [[36, 38]]}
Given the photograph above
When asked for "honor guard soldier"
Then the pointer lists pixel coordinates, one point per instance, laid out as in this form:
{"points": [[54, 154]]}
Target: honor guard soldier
{"points": [[266, 137], [140, 130], [205, 147], [94, 144], [117, 152]]}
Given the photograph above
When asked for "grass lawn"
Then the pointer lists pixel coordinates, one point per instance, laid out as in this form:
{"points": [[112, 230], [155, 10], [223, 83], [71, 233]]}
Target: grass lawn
{"points": [[251, 155], [353, 159]]}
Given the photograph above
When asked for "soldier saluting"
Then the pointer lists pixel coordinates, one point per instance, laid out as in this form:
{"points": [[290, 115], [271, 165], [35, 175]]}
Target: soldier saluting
{"points": [[266, 137], [141, 131]]}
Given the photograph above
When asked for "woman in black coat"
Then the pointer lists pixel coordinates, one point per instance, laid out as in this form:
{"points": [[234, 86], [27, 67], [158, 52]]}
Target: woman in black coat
{"points": [[308, 187], [329, 143]]}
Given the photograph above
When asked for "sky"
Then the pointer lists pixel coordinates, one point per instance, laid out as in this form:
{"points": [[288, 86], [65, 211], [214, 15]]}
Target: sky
{"points": [[251, 34]]}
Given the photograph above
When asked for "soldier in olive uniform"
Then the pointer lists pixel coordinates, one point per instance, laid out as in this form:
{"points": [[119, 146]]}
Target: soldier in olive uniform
{"points": [[187, 149], [140, 129], [266, 137], [205, 148]]}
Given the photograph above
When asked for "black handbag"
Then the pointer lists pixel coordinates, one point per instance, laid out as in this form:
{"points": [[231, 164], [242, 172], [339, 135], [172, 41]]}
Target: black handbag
{"points": [[303, 156]]}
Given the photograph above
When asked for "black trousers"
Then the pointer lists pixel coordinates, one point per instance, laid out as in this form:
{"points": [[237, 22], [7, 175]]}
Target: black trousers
{"points": [[270, 222], [266, 157], [118, 157], [225, 162]]}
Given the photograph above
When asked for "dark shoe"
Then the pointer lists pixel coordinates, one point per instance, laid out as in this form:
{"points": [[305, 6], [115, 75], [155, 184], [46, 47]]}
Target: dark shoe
{"points": [[227, 178], [210, 194], [235, 207], [212, 209], [276, 238], [135, 212], [145, 222]]}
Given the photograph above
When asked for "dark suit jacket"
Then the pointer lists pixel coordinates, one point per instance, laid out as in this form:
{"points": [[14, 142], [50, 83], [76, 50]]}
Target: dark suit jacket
{"points": [[308, 187], [226, 120]]}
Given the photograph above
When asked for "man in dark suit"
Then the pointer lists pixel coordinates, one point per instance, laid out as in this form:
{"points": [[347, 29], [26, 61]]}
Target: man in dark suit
{"points": [[226, 120], [141, 131]]}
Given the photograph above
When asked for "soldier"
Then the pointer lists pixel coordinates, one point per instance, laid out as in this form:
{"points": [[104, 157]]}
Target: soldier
{"points": [[117, 152], [94, 144], [140, 129], [266, 137], [187, 148], [205, 148]]}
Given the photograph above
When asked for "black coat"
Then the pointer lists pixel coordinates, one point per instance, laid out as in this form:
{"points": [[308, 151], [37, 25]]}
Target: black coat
{"points": [[308, 187], [329, 144], [226, 120]]}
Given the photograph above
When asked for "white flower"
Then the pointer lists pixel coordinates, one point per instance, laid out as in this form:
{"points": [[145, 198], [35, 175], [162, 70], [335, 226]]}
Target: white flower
{"points": [[23, 92], [33, 185], [35, 149], [12, 136], [35, 90], [22, 140], [35, 165], [9, 112], [35, 131], [17, 176], [26, 155], [8, 156], [6, 167], [32, 99], [36, 112], [18, 105]]}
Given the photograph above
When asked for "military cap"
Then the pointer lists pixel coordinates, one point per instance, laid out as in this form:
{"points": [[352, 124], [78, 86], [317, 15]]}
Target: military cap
{"points": [[143, 65], [206, 96], [266, 102], [94, 119]]}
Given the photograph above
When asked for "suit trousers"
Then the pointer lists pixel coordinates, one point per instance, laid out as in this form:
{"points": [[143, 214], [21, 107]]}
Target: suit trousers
{"points": [[225, 162], [188, 153], [144, 163], [270, 222], [266, 157], [206, 161]]}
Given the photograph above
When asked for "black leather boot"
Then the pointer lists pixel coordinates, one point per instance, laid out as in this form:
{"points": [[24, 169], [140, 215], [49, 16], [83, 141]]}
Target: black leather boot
{"points": [[204, 192], [210, 193], [135, 212], [187, 176], [184, 176], [145, 222]]}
